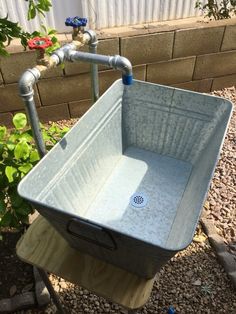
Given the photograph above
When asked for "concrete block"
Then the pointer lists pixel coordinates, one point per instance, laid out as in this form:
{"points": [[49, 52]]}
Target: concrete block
{"points": [[64, 89], [139, 72], [202, 86], [218, 243], [6, 119], [78, 108], [53, 113], [106, 78], [172, 71], [147, 48], [227, 261], [14, 66], [208, 226], [10, 99], [106, 47], [224, 81], [198, 41], [229, 40], [213, 65]]}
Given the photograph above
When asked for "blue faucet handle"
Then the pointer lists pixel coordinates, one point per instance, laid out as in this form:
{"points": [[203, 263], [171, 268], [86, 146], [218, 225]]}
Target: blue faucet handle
{"points": [[76, 21]]}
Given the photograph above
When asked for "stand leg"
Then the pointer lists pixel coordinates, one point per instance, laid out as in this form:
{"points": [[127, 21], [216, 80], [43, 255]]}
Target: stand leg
{"points": [[51, 291]]}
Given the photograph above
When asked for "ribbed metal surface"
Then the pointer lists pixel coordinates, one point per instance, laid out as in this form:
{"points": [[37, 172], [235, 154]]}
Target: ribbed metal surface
{"points": [[148, 140], [101, 13]]}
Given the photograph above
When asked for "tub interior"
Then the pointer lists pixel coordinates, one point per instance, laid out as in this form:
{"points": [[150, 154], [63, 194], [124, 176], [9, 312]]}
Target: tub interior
{"points": [[156, 143]]}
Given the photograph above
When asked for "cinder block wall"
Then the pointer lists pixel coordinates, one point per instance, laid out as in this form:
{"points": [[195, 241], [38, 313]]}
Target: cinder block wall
{"points": [[187, 54]]}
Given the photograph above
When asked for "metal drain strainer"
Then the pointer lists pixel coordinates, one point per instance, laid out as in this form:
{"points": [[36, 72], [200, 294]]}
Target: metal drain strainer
{"points": [[138, 200]]}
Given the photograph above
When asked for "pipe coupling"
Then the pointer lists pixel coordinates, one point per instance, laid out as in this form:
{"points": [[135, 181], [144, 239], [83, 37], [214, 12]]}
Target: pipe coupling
{"points": [[93, 42], [63, 52]]}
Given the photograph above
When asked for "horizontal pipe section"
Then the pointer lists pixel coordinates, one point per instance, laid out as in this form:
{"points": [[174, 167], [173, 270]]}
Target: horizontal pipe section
{"points": [[116, 62]]}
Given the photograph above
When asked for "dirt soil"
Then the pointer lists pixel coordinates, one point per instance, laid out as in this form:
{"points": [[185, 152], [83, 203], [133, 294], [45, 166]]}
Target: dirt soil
{"points": [[15, 276]]}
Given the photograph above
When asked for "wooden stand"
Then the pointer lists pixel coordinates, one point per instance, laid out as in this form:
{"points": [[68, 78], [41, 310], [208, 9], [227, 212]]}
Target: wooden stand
{"points": [[43, 247]]}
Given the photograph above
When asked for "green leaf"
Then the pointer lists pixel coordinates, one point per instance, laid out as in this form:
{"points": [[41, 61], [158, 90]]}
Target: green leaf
{"points": [[44, 28], [16, 199], [54, 40], [24, 210], [27, 137], [35, 34], [34, 156], [25, 168], [31, 10], [3, 52], [22, 219], [19, 121], [10, 172], [64, 131], [1, 149], [11, 145], [3, 132], [62, 65], [2, 206], [13, 137], [6, 220], [22, 150], [52, 32], [46, 137]]}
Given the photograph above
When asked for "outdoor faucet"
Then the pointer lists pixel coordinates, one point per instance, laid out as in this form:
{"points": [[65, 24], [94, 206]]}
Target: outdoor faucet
{"points": [[78, 24], [68, 52]]}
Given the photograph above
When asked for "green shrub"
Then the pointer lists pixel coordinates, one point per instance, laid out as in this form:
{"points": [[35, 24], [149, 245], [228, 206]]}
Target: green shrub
{"points": [[18, 155], [10, 30], [218, 10]]}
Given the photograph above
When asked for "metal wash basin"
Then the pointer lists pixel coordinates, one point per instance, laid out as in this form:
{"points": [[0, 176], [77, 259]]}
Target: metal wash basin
{"points": [[128, 182]]}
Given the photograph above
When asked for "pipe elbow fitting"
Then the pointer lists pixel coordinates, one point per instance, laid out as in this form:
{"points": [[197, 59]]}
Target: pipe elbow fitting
{"points": [[123, 64], [26, 82]]}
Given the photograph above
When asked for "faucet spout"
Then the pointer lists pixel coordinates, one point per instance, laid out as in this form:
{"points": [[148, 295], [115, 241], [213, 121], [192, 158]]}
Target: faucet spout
{"points": [[116, 62]]}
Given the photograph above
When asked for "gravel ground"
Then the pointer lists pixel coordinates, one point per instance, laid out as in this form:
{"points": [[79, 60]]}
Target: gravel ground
{"points": [[221, 203], [192, 281]]}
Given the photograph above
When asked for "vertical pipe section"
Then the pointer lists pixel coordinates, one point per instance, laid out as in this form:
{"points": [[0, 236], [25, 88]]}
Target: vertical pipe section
{"points": [[35, 125], [94, 74], [26, 82]]}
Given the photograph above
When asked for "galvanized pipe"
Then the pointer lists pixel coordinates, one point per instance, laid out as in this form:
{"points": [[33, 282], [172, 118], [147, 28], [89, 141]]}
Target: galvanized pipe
{"points": [[116, 62], [26, 83], [94, 74], [68, 53]]}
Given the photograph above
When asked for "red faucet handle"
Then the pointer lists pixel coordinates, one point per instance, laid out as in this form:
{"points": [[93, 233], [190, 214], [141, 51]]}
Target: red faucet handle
{"points": [[39, 43]]}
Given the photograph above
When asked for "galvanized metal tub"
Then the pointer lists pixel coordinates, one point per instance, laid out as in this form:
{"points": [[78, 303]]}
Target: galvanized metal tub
{"points": [[128, 182]]}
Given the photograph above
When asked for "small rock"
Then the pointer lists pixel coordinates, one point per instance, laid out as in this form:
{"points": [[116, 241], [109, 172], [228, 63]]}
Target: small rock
{"points": [[197, 282], [63, 284], [12, 290], [199, 238], [27, 287], [189, 273]]}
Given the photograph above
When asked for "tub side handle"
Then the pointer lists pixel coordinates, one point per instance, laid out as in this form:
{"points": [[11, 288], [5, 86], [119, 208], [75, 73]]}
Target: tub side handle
{"points": [[91, 233]]}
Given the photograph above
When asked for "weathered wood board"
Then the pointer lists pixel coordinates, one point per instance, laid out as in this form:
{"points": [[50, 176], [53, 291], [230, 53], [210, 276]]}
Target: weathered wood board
{"points": [[44, 247]]}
